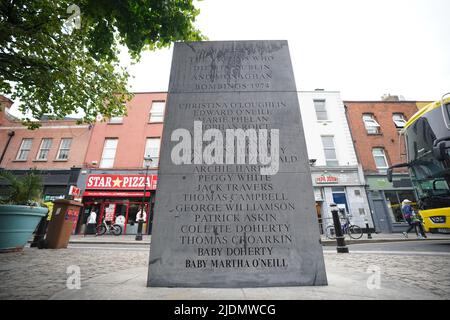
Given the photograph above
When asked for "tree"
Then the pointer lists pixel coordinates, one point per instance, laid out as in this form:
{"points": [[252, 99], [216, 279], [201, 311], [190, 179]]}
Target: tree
{"points": [[58, 58]]}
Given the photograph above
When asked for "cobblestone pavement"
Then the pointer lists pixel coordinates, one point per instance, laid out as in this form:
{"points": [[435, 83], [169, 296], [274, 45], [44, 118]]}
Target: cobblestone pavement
{"points": [[430, 272], [38, 274]]}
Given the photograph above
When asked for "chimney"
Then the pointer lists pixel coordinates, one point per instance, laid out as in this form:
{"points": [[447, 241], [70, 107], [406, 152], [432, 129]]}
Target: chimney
{"points": [[5, 104], [389, 97]]}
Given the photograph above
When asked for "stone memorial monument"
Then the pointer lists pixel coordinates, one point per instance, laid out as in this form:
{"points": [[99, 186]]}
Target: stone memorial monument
{"points": [[234, 204]]}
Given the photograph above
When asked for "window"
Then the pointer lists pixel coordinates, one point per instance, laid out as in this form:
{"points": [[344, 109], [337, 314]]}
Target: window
{"points": [[64, 148], [321, 111], [380, 158], [24, 149], [44, 149], [330, 151], [371, 124], [109, 153], [115, 120], [157, 111], [399, 120], [152, 150]]}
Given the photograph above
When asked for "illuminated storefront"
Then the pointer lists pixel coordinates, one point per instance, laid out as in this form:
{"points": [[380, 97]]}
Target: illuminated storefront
{"points": [[118, 197]]}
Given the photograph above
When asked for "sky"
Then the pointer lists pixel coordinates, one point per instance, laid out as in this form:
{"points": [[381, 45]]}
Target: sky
{"points": [[362, 48]]}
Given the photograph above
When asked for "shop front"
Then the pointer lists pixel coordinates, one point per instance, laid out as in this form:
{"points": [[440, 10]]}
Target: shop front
{"points": [[56, 183], [117, 198], [385, 198], [345, 187]]}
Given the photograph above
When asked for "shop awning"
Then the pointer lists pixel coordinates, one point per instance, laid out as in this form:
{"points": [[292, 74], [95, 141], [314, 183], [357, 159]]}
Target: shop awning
{"points": [[115, 194]]}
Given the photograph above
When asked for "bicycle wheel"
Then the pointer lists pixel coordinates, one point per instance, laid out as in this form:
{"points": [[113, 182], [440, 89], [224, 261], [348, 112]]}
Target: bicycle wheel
{"points": [[116, 230], [101, 230], [355, 232], [330, 233]]}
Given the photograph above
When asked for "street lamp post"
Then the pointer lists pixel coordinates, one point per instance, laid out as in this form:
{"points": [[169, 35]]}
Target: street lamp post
{"points": [[147, 162]]}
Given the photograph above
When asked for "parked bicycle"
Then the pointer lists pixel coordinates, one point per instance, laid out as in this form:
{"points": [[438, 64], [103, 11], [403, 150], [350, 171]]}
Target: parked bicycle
{"points": [[114, 229], [354, 231]]}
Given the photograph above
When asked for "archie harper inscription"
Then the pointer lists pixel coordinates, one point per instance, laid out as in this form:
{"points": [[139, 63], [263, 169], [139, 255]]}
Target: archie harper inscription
{"points": [[234, 205]]}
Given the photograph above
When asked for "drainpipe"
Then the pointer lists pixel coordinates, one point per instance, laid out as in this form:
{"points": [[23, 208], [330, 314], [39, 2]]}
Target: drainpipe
{"points": [[10, 135]]}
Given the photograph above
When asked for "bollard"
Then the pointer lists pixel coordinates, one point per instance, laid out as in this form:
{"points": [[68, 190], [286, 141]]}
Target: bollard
{"points": [[369, 235], [340, 240]]}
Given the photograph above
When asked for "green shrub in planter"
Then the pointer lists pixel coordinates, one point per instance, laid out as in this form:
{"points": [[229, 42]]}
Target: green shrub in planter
{"points": [[21, 211]]}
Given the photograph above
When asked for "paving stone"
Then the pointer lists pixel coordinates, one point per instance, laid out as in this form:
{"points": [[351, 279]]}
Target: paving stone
{"points": [[39, 274]]}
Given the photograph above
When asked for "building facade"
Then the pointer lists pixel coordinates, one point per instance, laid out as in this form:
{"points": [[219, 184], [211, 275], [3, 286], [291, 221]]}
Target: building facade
{"points": [[336, 175], [56, 151], [116, 181], [375, 128]]}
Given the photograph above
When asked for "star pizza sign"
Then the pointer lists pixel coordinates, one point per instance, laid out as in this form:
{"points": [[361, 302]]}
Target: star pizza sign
{"points": [[123, 182]]}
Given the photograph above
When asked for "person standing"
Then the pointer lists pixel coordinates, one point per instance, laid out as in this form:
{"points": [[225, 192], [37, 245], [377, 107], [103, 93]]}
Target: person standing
{"points": [[141, 216], [91, 223]]}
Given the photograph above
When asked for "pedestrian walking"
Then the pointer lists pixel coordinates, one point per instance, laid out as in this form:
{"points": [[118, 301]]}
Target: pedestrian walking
{"points": [[409, 216], [91, 227], [418, 220]]}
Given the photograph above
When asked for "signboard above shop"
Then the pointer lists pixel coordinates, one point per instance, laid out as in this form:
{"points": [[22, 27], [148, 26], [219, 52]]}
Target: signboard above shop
{"points": [[327, 179], [121, 182], [74, 191]]}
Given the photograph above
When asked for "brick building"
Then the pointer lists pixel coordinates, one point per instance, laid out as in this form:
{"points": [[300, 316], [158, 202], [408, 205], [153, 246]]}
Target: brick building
{"points": [[56, 150], [113, 177], [375, 128]]}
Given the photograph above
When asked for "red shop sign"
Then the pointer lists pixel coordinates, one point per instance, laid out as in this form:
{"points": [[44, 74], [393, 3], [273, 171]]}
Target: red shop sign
{"points": [[74, 191], [327, 179], [121, 181]]}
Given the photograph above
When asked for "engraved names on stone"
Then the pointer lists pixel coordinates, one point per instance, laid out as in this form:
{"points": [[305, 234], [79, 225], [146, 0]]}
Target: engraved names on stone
{"points": [[226, 225]]}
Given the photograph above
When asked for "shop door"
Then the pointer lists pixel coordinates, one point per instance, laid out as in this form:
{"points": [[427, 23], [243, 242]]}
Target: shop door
{"points": [[380, 217], [133, 209], [120, 215], [84, 215], [319, 216]]}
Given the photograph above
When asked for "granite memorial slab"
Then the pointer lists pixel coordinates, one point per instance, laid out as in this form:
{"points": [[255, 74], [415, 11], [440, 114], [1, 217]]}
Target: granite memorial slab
{"points": [[234, 203]]}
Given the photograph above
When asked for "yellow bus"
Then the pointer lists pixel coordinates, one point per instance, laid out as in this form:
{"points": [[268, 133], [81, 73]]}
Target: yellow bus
{"points": [[427, 140]]}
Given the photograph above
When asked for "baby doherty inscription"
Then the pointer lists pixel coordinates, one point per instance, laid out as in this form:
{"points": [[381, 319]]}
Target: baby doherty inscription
{"points": [[234, 205]]}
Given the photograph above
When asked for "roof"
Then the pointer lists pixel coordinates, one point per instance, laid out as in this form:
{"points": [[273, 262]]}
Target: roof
{"points": [[4, 98]]}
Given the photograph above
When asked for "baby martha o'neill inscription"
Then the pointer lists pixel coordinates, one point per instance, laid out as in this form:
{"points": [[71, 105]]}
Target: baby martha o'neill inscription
{"points": [[235, 204]]}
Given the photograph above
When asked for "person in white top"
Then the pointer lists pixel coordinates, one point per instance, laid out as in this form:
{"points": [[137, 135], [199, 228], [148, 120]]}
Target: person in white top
{"points": [[91, 223], [141, 216]]}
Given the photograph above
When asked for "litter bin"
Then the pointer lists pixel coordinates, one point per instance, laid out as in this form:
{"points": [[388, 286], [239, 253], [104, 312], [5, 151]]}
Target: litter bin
{"points": [[64, 216]]}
